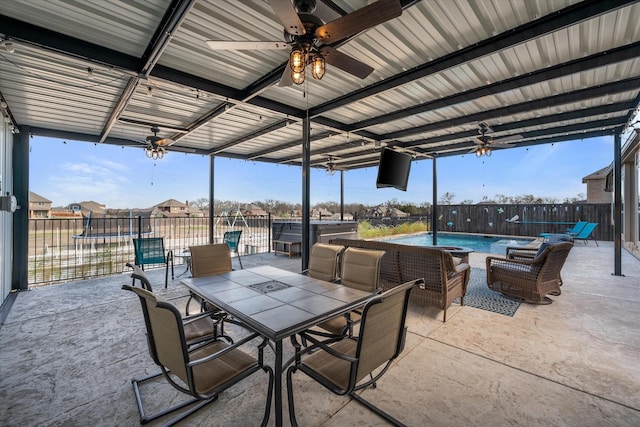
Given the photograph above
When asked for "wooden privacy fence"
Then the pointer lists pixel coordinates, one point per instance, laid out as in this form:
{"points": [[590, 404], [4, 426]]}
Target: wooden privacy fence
{"points": [[533, 219]]}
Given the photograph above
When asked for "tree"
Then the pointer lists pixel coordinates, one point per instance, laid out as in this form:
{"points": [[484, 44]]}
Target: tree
{"points": [[201, 203], [447, 198]]}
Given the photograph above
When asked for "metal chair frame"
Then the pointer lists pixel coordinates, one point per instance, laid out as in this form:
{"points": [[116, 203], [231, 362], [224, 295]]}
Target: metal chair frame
{"points": [[150, 250]]}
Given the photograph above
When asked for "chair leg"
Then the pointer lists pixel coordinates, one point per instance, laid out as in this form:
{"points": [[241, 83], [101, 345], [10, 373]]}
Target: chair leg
{"points": [[145, 418], [377, 410], [239, 260]]}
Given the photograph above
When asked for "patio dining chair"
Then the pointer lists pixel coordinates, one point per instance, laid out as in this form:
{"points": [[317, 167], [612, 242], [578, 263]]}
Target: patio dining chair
{"points": [[341, 364], [209, 260], [323, 261], [201, 371], [232, 239], [199, 327], [150, 250], [360, 270]]}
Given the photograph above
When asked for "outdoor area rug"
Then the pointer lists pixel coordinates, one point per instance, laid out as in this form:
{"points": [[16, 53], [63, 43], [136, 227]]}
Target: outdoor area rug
{"points": [[480, 296]]}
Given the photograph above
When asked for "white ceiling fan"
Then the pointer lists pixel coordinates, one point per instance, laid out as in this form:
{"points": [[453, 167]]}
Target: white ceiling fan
{"points": [[309, 38]]}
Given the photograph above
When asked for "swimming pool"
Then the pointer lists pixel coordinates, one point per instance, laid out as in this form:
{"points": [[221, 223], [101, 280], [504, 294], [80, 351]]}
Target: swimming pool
{"points": [[479, 243]]}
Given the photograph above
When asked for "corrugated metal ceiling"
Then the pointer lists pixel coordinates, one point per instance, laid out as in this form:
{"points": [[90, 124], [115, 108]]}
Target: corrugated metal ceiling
{"points": [[543, 70]]}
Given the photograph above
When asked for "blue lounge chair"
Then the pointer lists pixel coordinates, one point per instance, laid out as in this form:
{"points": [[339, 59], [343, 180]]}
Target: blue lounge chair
{"points": [[586, 233], [574, 231]]}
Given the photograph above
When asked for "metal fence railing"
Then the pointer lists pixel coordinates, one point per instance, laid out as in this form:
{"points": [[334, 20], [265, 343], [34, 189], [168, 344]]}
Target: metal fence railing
{"points": [[74, 249], [63, 250]]}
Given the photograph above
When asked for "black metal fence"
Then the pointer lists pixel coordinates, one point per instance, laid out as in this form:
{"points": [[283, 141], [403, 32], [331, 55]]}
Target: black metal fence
{"points": [[73, 249]]}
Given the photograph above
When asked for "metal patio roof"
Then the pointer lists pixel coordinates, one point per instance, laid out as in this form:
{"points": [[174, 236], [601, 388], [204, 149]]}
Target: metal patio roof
{"points": [[105, 71]]}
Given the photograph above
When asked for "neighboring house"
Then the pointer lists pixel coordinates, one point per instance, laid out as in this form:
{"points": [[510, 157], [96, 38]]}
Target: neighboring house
{"points": [[61, 212], [381, 211], [596, 184], [173, 208], [321, 213], [86, 207], [254, 210], [197, 212], [39, 207], [347, 217]]}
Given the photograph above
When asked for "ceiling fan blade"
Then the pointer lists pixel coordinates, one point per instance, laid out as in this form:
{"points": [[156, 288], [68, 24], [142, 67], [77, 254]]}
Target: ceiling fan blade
{"points": [[288, 17], [286, 80], [181, 149], [245, 45], [479, 141], [359, 20], [345, 62], [507, 139]]}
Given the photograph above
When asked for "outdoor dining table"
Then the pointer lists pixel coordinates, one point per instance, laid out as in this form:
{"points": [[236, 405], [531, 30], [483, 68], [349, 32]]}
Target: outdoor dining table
{"points": [[276, 303]]}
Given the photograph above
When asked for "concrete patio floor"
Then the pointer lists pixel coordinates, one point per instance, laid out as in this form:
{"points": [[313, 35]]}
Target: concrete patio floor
{"points": [[68, 353]]}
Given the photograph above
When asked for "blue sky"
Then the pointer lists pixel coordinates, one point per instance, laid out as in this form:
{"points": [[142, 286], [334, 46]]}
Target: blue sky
{"points": [[126, 178]]}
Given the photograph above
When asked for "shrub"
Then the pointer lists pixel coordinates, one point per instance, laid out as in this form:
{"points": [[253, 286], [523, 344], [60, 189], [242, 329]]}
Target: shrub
{"points": [[368, 231]]}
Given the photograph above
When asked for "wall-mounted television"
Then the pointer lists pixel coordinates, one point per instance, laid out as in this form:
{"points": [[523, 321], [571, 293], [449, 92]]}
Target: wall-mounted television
{"points": [[393, 170]]}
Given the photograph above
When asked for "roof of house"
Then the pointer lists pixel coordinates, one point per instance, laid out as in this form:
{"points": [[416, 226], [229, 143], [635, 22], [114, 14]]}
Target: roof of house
{"points": [[170, 203], [34, 197], [599, 174], [90, 205]]}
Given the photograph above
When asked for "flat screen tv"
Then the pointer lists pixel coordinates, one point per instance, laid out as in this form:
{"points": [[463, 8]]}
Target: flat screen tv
{"points": [[393, 170]]}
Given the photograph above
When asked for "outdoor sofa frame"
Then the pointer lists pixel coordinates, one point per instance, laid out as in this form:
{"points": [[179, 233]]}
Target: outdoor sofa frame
{"points": [[443, 280]]}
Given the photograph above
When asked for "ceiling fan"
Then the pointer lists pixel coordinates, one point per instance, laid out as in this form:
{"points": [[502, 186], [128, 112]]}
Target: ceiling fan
{"points": [[310, 38], [330, 165], [486, 142], [155, 146]]}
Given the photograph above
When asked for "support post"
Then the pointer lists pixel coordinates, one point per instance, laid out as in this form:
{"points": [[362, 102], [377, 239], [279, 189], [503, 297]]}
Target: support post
{"points": [[341, 195], [617, 203], [306, 185], [434, 208], [212, 162], [20, 159]]}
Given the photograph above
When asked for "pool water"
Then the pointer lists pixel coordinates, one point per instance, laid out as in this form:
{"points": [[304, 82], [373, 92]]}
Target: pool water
{"points": [[479, 243]]}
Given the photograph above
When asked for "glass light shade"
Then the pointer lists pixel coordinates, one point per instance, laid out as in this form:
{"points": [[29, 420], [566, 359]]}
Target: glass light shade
{"points": [[297, 78], [487, 152], [297, 60], [318, 67], [479, 152]]}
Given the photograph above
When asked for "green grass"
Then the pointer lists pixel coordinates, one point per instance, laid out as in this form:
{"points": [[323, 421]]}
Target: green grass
{"points": [[368, 231]]}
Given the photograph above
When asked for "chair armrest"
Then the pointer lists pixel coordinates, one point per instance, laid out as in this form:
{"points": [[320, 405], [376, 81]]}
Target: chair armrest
{"points": [[520, 248], [225, 350], [462, 267], [192, 318], [323, 345]]}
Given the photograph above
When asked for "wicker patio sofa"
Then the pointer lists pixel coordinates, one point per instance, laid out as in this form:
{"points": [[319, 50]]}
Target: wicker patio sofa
{"points": [[443, 280]]}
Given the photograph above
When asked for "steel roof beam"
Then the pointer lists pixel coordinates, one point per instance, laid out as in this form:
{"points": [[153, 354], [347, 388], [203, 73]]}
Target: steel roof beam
{"points": [[550, 101], [566, 17], [265, 130], [170, 22], [601, 59]]}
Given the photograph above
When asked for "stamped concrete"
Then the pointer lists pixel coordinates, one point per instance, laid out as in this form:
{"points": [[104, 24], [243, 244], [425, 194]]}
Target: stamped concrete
{"points": [[68, 353]]}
